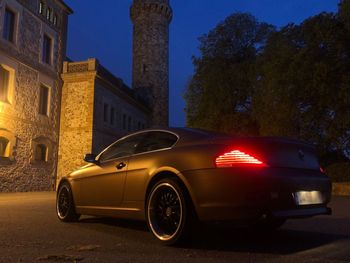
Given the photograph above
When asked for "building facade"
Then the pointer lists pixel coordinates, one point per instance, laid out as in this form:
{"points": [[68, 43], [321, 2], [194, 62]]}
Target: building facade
{"points": [[151, 19], [97, 108], [32, 49], [53, 112]]}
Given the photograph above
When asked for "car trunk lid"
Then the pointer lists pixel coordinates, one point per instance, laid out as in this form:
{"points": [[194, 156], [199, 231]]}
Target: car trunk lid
{"points": [[274, 152]]}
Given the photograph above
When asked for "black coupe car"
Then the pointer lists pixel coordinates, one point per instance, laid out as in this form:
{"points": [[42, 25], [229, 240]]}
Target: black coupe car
{"points": [[173, 177]]}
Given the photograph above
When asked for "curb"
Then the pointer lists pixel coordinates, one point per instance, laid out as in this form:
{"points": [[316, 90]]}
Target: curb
{"points": [[341, 189]]}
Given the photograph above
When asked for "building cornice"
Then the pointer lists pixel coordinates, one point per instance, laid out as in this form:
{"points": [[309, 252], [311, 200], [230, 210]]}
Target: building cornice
{"points": [[91, 70], [139, 8], [65, 7]]}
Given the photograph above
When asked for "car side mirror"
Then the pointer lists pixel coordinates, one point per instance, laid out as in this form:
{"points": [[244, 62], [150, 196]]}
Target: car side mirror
{"points": [[90, 158]]}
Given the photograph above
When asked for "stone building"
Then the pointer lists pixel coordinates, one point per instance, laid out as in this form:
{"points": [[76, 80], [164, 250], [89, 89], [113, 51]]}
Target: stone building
{"points": [[97, 108], [151, 19], [53, 113], [32, 49]]}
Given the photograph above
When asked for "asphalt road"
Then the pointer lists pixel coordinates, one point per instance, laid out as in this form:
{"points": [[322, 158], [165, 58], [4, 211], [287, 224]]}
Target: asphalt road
{"points": [[30, 232]]}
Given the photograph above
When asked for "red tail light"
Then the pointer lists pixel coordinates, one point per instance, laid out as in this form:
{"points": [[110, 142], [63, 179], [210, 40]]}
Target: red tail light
{"points": [[237, 158]]}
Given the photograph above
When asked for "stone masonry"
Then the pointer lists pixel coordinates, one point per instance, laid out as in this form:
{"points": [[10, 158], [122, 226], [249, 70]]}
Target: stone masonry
{"points": [[20, 121], [151, 19], [87, 107], [89, 89]]}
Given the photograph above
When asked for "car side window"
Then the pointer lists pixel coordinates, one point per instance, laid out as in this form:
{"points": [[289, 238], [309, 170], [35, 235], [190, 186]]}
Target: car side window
{"points": [[156, 140], [122, 148]]}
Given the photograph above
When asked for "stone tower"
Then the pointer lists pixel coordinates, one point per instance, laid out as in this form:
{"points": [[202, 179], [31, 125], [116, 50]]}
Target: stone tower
{"points": [[151, 19]]}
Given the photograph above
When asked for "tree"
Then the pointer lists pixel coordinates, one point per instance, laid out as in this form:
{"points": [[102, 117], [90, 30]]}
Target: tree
{"points": [[304, 84], [251, 79], [344, 12], [219, 94]]}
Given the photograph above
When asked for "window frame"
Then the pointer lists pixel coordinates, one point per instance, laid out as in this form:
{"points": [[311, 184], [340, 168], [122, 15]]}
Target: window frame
{"points": [[6, 86], [7, 150], [41, 8], [55, 19], [148, 133], [10, 84], [48, 13], [44, 153], [129, 123], [41, 140], [124, 139], [124, 121], [13, 38], [47, 55], [112, 116], [48, 100], [105, 112], [8, 135]]}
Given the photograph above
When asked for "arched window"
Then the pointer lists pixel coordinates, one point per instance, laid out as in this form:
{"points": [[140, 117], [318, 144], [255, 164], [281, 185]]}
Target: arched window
{"points": [[41, 153], [4, 147]]}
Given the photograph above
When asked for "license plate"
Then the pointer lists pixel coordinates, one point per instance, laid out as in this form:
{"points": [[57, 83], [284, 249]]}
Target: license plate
{"points": [[308, 198]]}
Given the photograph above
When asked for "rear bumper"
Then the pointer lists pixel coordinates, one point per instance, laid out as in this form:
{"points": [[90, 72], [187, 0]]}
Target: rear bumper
{"points": [[250, 193]]}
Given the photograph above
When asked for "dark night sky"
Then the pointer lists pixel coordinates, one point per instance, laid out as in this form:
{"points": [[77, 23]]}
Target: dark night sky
{"points": [[102, 29]]}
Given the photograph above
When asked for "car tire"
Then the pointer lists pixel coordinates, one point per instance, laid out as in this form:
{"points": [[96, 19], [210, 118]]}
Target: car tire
{"points": [[169, 212], [65, 207]]}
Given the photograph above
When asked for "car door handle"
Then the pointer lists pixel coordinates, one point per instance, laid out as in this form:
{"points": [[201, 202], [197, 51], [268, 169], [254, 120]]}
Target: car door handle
{"points": [[121, 165]]}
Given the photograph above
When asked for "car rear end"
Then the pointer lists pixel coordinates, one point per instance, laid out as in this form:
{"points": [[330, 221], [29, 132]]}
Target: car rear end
{"points": [[253, 178]]}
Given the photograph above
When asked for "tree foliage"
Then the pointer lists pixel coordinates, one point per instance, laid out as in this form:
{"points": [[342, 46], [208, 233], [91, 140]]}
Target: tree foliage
{"points": [[218, 95], [295, 82], [304, 89]]}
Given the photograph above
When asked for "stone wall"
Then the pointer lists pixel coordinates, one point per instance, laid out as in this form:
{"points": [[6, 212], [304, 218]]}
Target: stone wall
{"points": [[87, 87], [76, 121], [20, 121], [106, 133], [151, 20]]}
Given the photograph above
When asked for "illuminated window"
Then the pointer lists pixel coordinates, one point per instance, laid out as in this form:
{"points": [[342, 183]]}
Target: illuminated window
{"points": [[9, 26], [55, 20], [105, 112], [47, 50], [44, 100], [4, 147], [41, 7], [4, 84], [41, 153]]}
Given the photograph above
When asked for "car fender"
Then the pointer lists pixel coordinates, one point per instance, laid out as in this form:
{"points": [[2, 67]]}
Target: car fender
{"points": [[179, 175]]}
